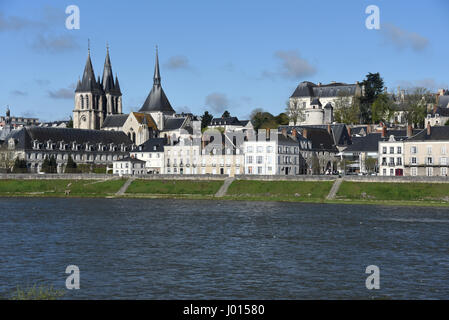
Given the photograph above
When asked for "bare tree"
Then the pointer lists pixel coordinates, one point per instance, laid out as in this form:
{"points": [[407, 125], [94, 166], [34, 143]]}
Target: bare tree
{"points": [[295, 112]]}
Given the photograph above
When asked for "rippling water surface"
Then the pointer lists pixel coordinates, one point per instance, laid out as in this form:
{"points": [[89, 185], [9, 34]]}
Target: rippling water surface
{"points": [[176, 249]]}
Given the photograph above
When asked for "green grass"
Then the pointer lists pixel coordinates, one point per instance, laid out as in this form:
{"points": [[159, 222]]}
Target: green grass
{"points": [[280, 190], [57, 187], [37, 293], [174, 187], [393, 191]]}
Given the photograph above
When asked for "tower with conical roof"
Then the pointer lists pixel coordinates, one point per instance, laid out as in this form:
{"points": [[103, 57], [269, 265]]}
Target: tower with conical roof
{"points": [[111, 88], [157, 104], [94, 100]]}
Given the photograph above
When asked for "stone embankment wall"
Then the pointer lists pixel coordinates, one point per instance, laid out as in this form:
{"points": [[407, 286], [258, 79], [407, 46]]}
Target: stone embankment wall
{"points": [[206, 177]]}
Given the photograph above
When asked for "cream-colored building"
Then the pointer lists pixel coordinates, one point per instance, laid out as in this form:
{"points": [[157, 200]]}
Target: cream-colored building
{"points": [[427, 153], [182, 157]]}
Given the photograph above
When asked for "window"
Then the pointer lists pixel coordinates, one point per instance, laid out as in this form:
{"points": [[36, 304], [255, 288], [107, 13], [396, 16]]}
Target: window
{"points": [[414, 171], [259, 170], [444, 172], [384, 150], [429, 150], [399, 150], [259, 149], [391, 150], [413, 150], [399, 161], [414, 160], [391, 172], [384, 161], [429, 160], [443, 161], [443, 150], [249, 149], [249, 159], [259, 159], [429, 171], [269, 149]]}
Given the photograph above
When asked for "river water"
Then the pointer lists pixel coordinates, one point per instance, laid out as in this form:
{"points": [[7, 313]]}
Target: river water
{"points": [[181, 249]]}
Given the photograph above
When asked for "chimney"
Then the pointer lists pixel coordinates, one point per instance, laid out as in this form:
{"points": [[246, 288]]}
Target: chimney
{"points": [[349, 130], [368, 129], [329, 129], [294, 133], [409, 131], [384, 131], [284, 132], [304, 133], [428, 128]]}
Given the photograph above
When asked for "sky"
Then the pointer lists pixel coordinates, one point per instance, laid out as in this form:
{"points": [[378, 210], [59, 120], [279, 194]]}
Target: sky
{"points": [[215, 55]]}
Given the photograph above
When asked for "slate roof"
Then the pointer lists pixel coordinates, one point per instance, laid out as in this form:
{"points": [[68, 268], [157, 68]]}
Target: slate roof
{"points": [[436, 133], [153, 145], [320, 138], [369, 143], [310, 89], [88, 82], [339, 133], [443, 101], [173, 123], [114, 120], [442, 111], [26, 135], [157, 100], [129, 159]]}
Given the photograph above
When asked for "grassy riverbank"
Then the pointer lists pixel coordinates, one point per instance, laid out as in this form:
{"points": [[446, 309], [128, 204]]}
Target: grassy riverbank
{"points": [[407, 194]]}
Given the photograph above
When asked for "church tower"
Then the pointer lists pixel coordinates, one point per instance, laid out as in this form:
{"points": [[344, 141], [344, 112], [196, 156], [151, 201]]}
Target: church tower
{"points": [[157, 104], [111, 88], [88, 112], [95, 99]]}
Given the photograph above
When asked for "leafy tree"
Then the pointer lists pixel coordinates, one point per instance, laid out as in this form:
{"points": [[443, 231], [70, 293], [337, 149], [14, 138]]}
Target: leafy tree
{"points": [[382, 108], [49, 165], [71, 166], [206, 119], [282, 119], [20, 166], [70, 123], [316, 167], [226, 114], [447, 123], [374, 86]]}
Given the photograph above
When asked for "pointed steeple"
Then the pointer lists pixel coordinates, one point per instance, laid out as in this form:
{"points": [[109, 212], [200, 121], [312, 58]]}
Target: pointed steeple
{"points": [[117, 85], [88, 82], [157, 75], [157, 101], [108, 76]]}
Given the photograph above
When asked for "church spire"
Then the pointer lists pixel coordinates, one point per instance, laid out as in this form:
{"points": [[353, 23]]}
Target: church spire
{"points": [[88, 82], [108, 76], [157, 75]]}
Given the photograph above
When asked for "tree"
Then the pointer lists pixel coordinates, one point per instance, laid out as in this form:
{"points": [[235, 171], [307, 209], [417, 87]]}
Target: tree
{"points": [[49, 165], [206, 119], [415, 105], [347, 110], [71, 166], [20, 166], [70, 123], [373, 87], [295, 112], [282, 119], [447, 123], [382, 108], [316, 167], [371, 164], [226, 114]]}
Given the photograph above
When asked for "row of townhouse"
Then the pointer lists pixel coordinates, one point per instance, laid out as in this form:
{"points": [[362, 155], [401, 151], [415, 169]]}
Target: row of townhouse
{"points": [[285, 152], [421, 154]]}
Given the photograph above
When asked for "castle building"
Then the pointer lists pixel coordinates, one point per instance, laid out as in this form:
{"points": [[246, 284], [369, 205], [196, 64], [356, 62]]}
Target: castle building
{"points": [[314, 104], [95, 99]]}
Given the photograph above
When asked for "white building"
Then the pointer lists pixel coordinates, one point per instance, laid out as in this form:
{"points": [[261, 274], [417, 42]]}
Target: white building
{"points": [[152, 152], [314, 104], [129, 166], [182, 157]]}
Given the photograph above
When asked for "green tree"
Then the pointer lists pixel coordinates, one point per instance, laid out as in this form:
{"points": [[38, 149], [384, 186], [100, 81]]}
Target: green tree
{"points": [[374, 86], [206, 119], [295, 112], [382, 108], [49, 165], [70, 123], [20, 166], [71, 166], [226, 114], [415, 105], [282, 119]]}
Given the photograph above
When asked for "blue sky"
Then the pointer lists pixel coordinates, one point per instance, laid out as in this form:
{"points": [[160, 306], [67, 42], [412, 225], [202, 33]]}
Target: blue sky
{"points": [[215, 55]]}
